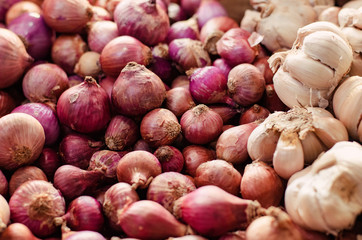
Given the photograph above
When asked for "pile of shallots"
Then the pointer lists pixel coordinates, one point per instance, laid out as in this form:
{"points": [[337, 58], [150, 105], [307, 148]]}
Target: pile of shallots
{"points": [[170, 119]]}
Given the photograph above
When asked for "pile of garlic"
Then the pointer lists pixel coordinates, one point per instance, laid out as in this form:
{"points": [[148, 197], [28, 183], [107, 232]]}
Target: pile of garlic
{"points": [[307, 74], [327, 196]]}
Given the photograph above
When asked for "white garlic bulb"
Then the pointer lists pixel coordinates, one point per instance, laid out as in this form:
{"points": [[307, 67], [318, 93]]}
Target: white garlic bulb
{"points": [[290, 140], [327, 195], [307, 74]]}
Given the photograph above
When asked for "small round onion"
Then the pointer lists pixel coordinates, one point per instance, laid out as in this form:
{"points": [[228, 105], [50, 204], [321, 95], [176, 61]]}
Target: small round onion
{"points": [[84, 108], [24, 174], [106, 161], [137, 90], [226, 112], [181, 81], [35, 204], [221, 23], [113, 60], [183, 29], [46, 117], [176, 13], [100, 33], [122, 132], [15, 58], [222, 65], [195, 155], [48, 161], [4, 7], [201, 125], [160, 127], [67, 16], [246, 84], [88, 65], [133, 18], [254, 113], [17, 231], [167, 187], [19, 8], [271, 100], [7, 103], [66, 51], [209, 9], [179, 100], [171, 158], [262, 64], [21, 141]]}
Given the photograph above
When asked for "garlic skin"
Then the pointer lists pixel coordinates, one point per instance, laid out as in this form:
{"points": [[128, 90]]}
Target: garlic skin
{"points": [[347, 106], [307, 74], [327, 195], [290, 140]]}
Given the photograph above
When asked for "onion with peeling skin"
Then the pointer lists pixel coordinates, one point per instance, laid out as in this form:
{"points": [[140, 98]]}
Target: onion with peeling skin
{"points": [[24, 174], [106, 162]]}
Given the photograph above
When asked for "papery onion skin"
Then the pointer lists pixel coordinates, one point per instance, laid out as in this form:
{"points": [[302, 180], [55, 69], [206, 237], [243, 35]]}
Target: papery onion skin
{"points": [[221, 23], [85, 107], [171, 158], [67, 16], [106, 161], [100, 33], [46, 117], [22, 140], [24, 174], [137, 90], [15, 58], [133, 18], [195, 155], [36, 203]]}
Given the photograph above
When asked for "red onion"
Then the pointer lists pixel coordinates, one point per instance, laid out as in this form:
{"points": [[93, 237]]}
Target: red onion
{"points": [[17, 231], [66, 51], [188, 53], [24, 174], [176, 13], [201, 125], [190, 6], [271, 101], [85, 107], [100, 33], [171, 158], [254, 113], [222, 65], [107, 84], [260, 182], [219, 173], [221, 23], [85, 234], [195, 155], [262, 64], [212, 212], [88, 65], [83, 213], [5, 5], [106, 162], [21, 141], [74, 182], [19, 8], [160, 127], [4, 184], [143, 145], [137, 90], [100, 14], [75, 80], [168, 187], [209, 9], [179, 100], [188, 237], [15, 58], [133, 18], [138, 168], [118, 197], [183, 29], [37, 36], [7, 103], [121, 50], [246, 84], [4, 214], [226, 112], [181, 81], [77, 149], [36, 203], [122, 132], [234, 47], [67, 16], [46, 117], [48, 161], [209, 85], [147, 219]]}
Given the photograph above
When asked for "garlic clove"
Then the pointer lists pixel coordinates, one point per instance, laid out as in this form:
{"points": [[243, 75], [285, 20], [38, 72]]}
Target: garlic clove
{"points": [[320, 112], [329, 14], [262, 143], [346, 16], [288, 157], [354, 36], [312, 147], [329, 130], [313, 73]]}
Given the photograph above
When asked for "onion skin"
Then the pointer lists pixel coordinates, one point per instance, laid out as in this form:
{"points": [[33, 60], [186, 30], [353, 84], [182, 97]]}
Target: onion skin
{"points": [[195, 155], [4, 213], [209, 9], [68, 16], [88, 65], [226, 112], [85, 107], [221, 23], [36, 203], [147, 219], [183, 29], [15, 58], [19, 8], [137, 90], [22, 140], [222, 65], [212, 212], [85, 234], [7, 103], [24, 174], [100, 33], [106, 162], [271, 101], [179, 100], [48, 161], [170, 157], [262, 64], [254, 113], [4, 184], [138, 168], [17, 231]]}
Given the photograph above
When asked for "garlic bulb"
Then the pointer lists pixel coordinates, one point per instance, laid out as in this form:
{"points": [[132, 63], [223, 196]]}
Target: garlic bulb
{"points": [[307, 74], [347, 101], [280, 20], [290, 140], [327, 196]]}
